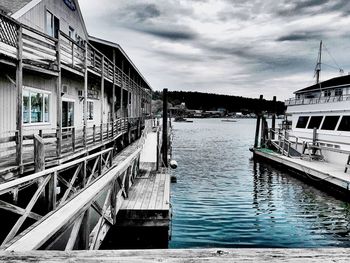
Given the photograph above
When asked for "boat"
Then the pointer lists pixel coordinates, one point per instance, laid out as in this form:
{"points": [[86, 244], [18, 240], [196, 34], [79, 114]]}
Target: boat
{"points": [[314, 139], [181, 119]]}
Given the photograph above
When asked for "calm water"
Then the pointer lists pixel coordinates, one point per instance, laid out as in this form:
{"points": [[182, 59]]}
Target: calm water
{"points": [[223, 199]]}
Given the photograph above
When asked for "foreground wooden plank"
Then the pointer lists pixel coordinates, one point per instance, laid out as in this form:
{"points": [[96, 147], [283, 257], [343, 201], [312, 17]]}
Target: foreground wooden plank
{"points": [[182, 255]]}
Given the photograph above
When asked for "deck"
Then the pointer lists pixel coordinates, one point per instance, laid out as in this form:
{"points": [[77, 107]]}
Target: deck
{"points": [[183, 255]]}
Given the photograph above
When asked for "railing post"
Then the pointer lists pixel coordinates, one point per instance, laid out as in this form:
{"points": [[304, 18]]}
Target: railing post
{"points": [[108, 130], [72, 54], [157, 165], [258, 122], [85, 94], [73, 139], [101, 132], [59, 98], [94, 133], [39, 154], [19, 113], [165, 128]]}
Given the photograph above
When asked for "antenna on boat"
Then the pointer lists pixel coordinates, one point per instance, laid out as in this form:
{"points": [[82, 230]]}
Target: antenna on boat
{"points": [[318, 64]]}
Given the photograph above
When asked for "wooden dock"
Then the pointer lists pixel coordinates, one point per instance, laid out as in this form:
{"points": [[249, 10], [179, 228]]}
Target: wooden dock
{"points": [[144, 216], [148, 203], [182, 255], [318, 171]]}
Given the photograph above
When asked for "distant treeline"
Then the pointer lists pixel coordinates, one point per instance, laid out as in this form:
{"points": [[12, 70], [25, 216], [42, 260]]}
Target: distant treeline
{"points": [[208, 101]]}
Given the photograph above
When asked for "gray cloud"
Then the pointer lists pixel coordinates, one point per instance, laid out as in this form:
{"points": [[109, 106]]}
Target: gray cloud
{"points": [[169, 33], [238, 47], [301, 36]]}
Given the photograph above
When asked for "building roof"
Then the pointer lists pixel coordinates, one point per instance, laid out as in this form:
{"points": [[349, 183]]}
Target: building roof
{"points": [[117, 46], [342, 81], [12, 6]]}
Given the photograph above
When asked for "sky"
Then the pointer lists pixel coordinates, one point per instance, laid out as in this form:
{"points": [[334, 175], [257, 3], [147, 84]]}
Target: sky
{"points": [[235, 47]]}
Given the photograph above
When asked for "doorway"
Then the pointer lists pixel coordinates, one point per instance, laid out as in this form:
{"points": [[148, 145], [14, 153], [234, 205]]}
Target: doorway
{"points": [[67, 113]]}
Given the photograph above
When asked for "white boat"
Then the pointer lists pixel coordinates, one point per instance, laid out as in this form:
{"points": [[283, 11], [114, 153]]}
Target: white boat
{"points": [[315, 141]]}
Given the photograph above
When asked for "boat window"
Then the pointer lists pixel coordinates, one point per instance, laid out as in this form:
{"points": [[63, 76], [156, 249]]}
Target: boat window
{"points": [[344, 124], [338, 92], [330, 122], [327, 93], [315, 122], [302, 121]]}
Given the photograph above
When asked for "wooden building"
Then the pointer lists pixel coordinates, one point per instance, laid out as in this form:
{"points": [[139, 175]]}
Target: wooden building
{"points": [[56, 81]]}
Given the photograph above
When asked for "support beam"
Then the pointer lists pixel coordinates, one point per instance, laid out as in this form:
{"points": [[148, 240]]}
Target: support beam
{"points": [[19, 114], [113, 93], [122, 91], [85, 95], [165, 128], [102, 94], [59, 99]]}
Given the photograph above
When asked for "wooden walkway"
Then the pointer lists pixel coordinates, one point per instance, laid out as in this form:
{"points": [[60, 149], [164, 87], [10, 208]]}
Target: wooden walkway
{"points": [[148, 202], [71, 211], [182, 255]]}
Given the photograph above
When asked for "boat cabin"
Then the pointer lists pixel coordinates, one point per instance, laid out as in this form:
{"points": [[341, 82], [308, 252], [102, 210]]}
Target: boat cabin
{"points": [[325, 108]]}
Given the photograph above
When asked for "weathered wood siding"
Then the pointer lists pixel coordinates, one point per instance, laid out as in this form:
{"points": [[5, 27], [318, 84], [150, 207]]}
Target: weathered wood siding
{"points": [[7, 106], [35, 17]]}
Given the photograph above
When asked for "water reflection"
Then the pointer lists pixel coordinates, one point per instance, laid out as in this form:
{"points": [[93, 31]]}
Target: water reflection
{"points": [[225, 199]]}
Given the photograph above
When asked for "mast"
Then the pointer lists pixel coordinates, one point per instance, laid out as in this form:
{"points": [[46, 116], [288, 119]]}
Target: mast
{"points": [[318, 65]]}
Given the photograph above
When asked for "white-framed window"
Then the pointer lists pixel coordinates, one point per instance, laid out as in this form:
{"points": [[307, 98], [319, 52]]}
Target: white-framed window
{"points": [[90, 110], [36, 106], [327, 93], [338, 92], [71, 32], [52, 24]]}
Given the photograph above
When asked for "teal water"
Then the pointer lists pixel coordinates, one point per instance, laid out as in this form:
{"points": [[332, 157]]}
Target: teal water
{"points": [[223, 198]]}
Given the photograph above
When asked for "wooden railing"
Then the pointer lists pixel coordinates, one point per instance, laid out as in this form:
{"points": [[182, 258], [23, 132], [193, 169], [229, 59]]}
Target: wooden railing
{"points": [[56, 187], [72, 140], [41, 50]]}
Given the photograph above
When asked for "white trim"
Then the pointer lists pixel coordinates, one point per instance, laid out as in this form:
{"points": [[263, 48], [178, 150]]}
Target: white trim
{"points": [[44, 92], [25, 9], [37, 90], [68, 99]]}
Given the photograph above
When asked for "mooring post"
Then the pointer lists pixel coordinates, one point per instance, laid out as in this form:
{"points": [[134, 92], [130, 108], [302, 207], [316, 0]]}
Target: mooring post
{"points": [[262, 132], [258, 113], [273, 124], [165, 128], [39, 154], [157, 165]]}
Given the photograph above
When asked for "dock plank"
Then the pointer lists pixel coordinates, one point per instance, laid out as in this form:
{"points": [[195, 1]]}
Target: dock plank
{"points": [[152, 202]]}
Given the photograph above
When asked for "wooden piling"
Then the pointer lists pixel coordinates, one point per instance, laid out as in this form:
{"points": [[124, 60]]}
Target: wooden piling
{"points": [[273, 124], [39, 154], [19, 113], [165, 128], [258, 113]]}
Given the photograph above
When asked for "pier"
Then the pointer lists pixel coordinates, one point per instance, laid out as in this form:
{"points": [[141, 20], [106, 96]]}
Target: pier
{"points": [[184, 255], [77, 144]]}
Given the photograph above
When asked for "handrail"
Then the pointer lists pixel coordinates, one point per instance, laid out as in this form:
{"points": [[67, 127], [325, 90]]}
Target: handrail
{"points": [[330, 99], [9, 186]]}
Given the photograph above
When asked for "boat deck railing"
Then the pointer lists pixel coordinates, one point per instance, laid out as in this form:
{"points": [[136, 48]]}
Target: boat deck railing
{"points": [[307, 101]]}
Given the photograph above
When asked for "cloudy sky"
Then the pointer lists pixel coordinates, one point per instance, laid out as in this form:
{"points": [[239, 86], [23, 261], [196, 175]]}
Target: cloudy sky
{"points": [[237, 47]]}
